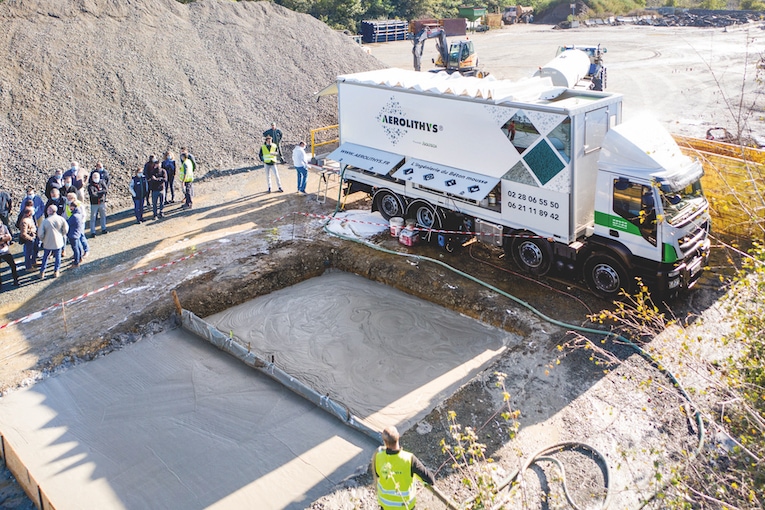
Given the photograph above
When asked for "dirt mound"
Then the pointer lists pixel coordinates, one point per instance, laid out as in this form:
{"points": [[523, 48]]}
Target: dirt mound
{"points": [[91, 80]]}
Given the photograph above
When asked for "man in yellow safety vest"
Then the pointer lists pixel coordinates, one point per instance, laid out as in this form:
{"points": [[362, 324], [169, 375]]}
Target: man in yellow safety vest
{"points": [[269, 155], [186, 176], [394, 471]]}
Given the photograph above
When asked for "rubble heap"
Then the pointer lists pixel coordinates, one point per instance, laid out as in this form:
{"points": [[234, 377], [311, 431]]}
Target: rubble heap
{"points": [[92, 80]]}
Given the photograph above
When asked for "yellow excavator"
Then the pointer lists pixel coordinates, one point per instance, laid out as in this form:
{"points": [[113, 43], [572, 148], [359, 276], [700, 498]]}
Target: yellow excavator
{"points": [[457, 57]]}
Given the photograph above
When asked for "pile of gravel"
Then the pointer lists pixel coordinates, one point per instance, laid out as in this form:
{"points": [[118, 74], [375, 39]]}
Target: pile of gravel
{"points": [[116, 80]]}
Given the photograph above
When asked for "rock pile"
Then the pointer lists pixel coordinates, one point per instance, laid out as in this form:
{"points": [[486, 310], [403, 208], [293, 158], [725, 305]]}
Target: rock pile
{"points": [[704, 18], [115, 81]]}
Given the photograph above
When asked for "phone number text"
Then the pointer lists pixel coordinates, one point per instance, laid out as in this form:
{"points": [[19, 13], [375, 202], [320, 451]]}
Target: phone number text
{"points": [[525, 203]]}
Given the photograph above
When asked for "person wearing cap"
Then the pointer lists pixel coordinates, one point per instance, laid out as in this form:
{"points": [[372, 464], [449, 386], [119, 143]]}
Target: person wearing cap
{"points": [[276, 137], [394, 471], [52, 233], [56, 181], [97, 192], [269, 155], [300, 160]]}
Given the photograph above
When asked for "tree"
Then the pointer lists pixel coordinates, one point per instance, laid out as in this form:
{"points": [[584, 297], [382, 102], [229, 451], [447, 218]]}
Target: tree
{"points": [[377, 9], [338, 14]]}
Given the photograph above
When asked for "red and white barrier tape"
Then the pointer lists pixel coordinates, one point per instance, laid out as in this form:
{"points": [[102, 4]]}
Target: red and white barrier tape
{"points": [[101, 289], [419, 229], [282, 218]]}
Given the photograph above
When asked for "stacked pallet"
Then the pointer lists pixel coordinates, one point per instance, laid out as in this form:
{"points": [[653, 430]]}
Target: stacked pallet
{"points": [[373, 31]]}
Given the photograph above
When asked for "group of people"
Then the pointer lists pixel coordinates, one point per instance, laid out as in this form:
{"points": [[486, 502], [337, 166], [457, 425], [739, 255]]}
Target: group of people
{"points": [[271, 154], [153, 186], [49, 226]]}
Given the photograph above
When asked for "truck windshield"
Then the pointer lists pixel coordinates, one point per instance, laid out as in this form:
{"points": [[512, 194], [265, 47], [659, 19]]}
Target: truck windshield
{"points": [[680, 204]]}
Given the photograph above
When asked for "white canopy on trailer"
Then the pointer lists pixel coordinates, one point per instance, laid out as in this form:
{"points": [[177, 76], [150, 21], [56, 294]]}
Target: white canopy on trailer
{"points": [[366, 158], [447, 179], [498, 91], [645, 147]]}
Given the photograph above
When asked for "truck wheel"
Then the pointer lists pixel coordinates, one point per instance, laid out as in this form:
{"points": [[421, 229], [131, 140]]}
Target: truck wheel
{"points": [[389, 204], [423, 213], [532, 255], [605, 276], [426, 216]]}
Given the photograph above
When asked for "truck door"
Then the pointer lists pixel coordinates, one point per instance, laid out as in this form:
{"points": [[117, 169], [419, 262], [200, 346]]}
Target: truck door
{"points": [[635, 221]]}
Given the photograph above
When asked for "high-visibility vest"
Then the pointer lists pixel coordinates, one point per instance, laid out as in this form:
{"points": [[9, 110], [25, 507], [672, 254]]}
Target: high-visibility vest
{"points": [[270, 153], [395, 487], [187, 171]]}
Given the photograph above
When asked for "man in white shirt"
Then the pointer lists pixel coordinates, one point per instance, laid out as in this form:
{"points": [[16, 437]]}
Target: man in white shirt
{"points": [[300, 160]]}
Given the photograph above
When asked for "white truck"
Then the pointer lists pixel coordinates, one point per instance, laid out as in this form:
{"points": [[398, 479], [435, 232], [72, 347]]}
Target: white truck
{"points": [[548, 173]]}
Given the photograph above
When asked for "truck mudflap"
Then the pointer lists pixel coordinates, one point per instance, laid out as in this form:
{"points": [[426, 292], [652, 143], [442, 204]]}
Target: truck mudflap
{"points": [[688, 273]]}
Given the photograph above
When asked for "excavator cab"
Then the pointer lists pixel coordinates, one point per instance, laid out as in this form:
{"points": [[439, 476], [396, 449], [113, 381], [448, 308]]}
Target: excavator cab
{"points": [[461, 55]]}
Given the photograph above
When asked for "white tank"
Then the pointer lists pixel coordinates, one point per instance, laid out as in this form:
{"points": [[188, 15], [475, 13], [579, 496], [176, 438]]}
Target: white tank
{"points": [[566, 69]]}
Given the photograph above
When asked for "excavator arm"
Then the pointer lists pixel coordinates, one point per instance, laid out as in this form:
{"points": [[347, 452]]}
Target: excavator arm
{"points": [[419, 45]]}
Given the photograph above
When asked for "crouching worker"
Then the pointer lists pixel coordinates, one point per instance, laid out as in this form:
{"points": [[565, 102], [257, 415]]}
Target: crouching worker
{"points": [[394, 471]]}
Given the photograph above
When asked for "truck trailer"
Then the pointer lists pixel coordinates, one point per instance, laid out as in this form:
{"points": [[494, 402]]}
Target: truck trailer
{"points": [[550, 174]]}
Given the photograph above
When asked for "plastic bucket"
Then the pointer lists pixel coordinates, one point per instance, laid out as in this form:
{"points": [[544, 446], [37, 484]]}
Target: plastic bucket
{"points": [[396, 225]]}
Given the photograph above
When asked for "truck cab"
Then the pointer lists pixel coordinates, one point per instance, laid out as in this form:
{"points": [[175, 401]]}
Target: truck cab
{"points": [[650, 209]]}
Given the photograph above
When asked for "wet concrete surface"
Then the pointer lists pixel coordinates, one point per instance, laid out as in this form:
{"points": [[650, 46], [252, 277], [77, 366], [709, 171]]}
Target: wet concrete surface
{"points": [[389, 357]]}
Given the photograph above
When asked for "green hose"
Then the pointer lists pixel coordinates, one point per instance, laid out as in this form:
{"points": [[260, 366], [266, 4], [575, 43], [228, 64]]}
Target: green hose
{"points": [[646, 355]]}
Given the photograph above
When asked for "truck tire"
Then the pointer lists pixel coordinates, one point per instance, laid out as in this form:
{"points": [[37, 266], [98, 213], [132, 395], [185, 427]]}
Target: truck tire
{"points": [[533, 255], [605, 276], [389, 204], [426, 215]]}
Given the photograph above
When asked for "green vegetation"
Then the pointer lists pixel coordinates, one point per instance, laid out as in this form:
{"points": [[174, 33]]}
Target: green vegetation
{"points": [[348, 14]]}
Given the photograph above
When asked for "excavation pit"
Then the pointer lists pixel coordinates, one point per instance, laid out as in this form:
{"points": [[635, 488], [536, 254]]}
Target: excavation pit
{"points": [[172, 422]]}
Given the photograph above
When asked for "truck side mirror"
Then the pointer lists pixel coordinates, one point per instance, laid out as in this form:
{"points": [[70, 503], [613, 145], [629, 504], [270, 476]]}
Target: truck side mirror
{"points": [[622, 184]]}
